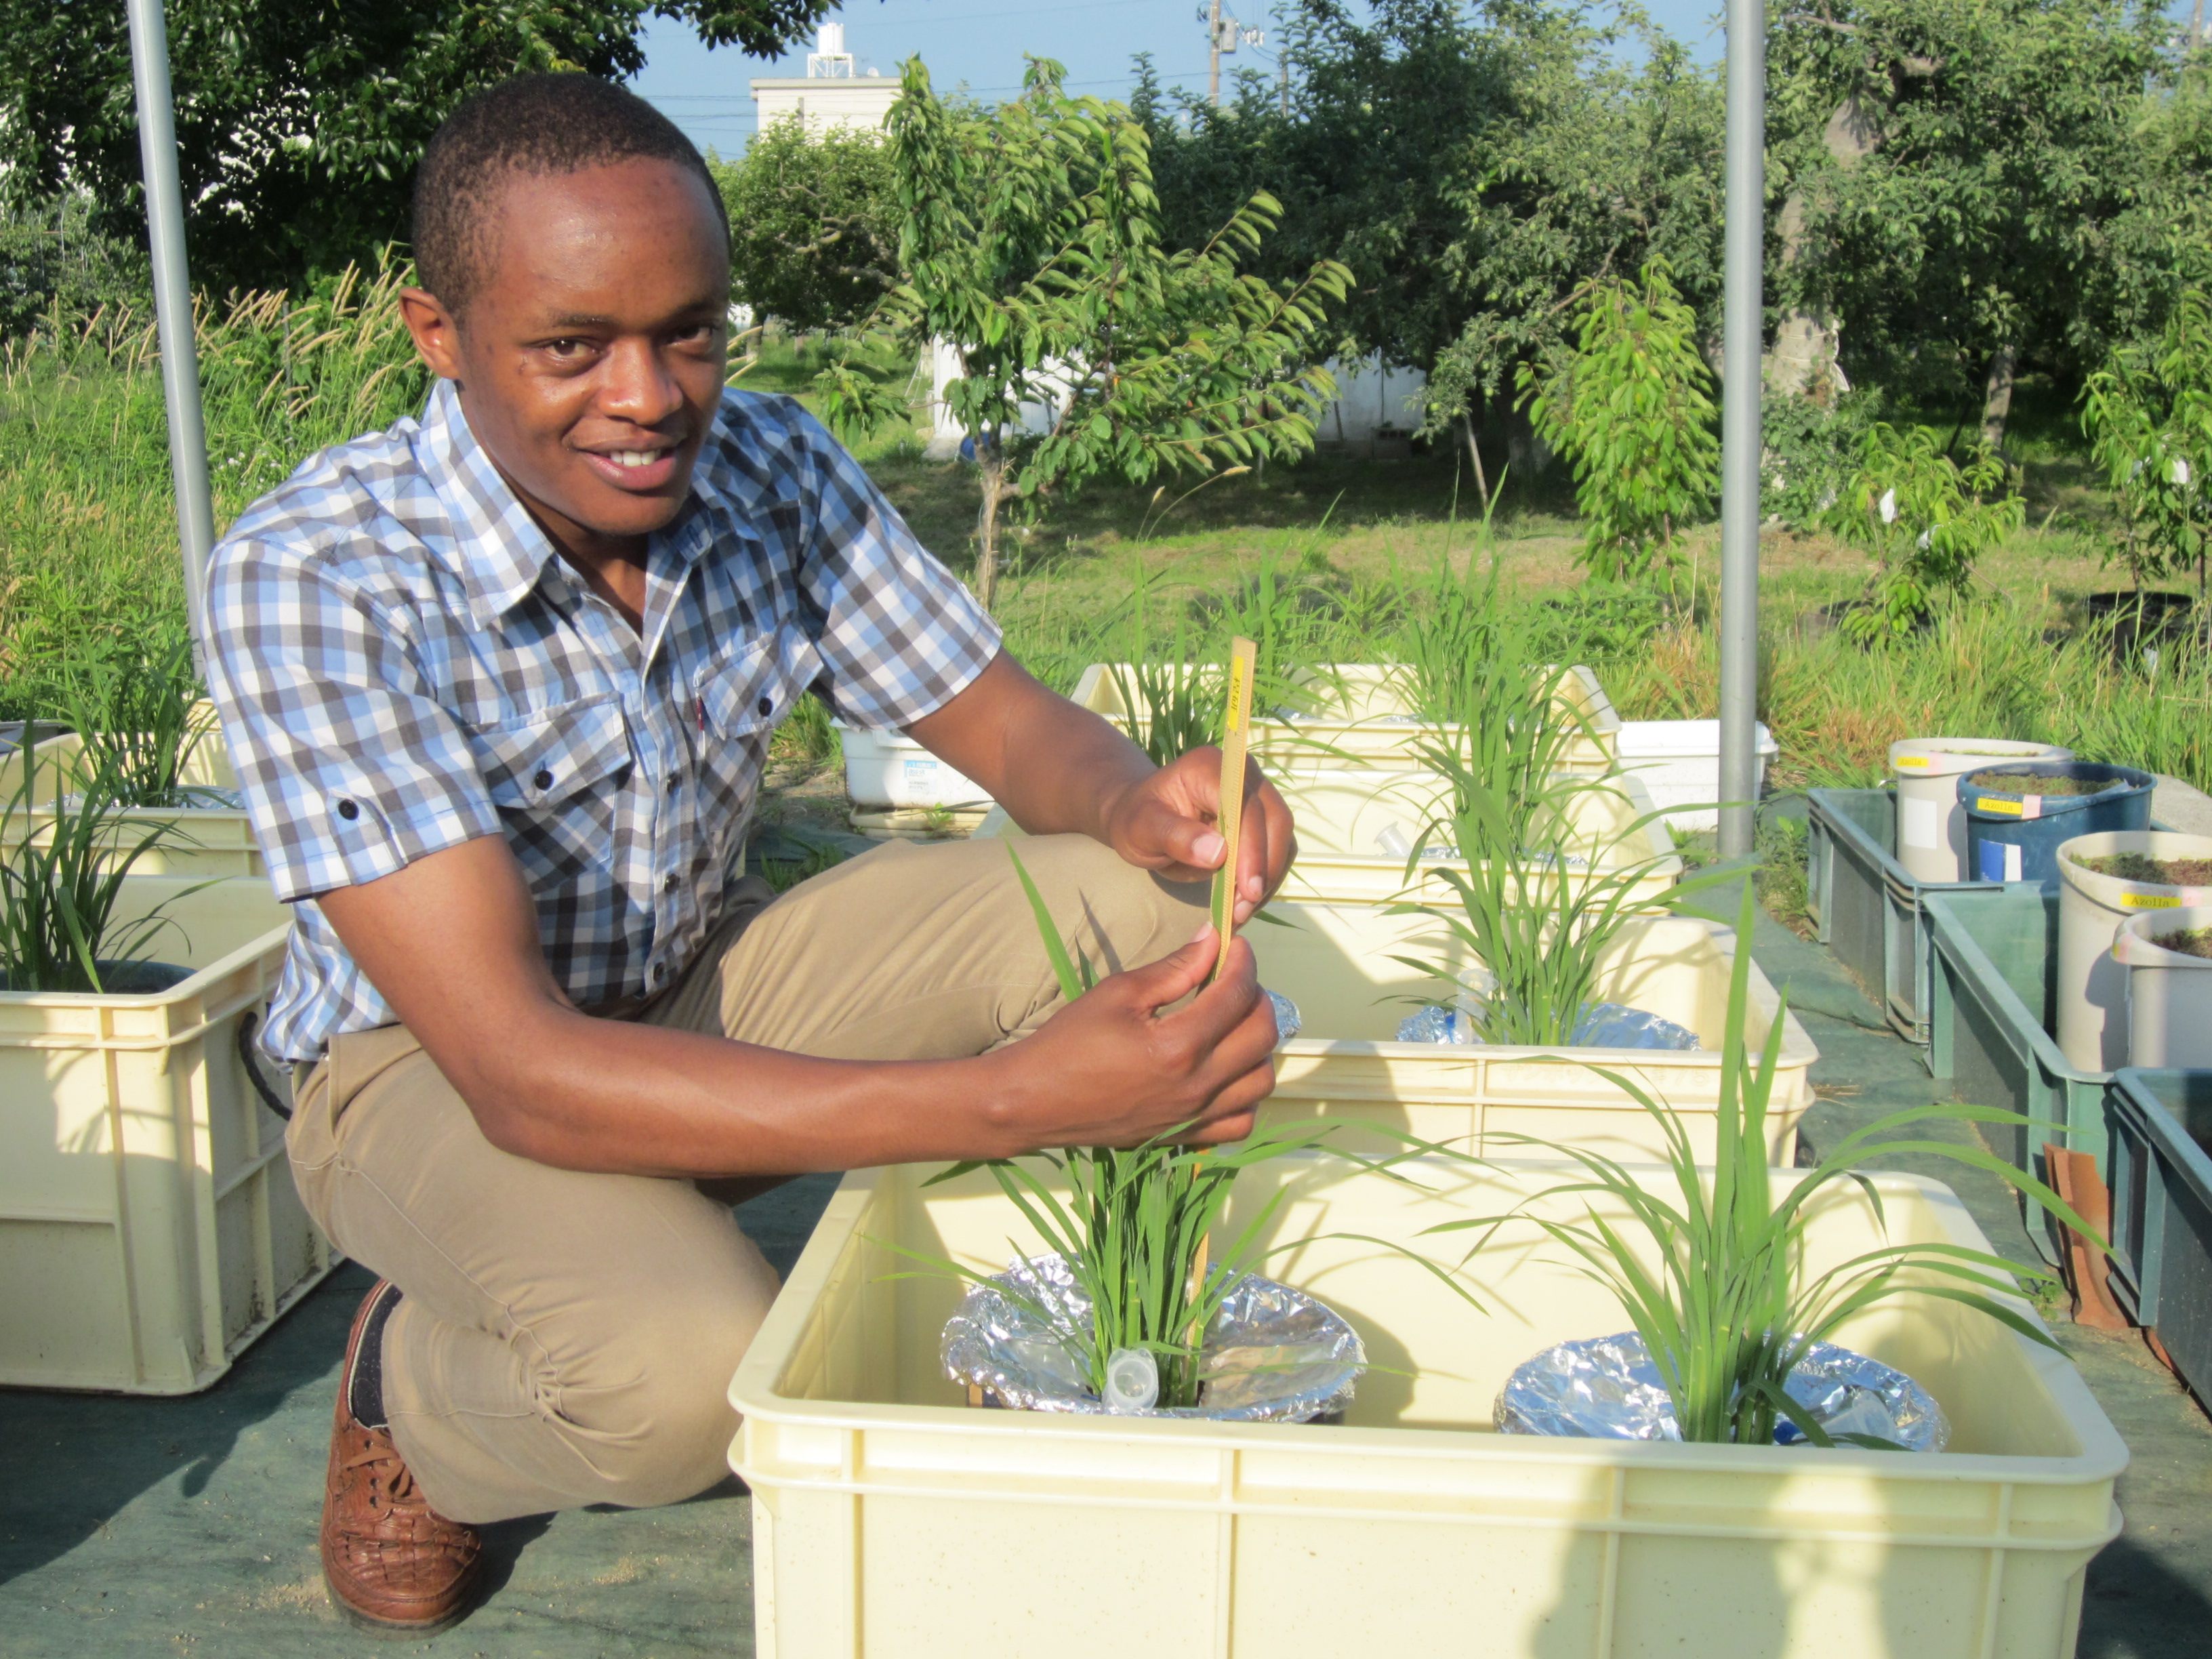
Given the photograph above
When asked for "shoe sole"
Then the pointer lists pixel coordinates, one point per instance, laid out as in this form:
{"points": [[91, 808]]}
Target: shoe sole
{"points": [[398, 1629]]}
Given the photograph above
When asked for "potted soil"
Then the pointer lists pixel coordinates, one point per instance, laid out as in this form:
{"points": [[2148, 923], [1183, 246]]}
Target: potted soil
{"points": [[2168, 958], [2106, 880], [2019, 814], [1931, 825]]}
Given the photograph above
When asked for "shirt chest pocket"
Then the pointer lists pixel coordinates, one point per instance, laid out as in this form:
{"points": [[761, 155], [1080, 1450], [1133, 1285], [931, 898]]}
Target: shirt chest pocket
{"points": [[743, 698], [566, 761]]}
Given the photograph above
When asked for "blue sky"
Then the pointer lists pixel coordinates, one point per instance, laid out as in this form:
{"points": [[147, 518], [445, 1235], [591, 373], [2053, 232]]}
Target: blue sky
{"points": [[981, 42]]}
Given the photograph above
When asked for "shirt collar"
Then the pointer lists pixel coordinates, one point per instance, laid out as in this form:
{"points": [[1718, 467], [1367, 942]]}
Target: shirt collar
{"points": [[499, 553]]}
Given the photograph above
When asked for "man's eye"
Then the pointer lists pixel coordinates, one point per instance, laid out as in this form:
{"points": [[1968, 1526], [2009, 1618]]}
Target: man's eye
{"points": [[567, 350]]}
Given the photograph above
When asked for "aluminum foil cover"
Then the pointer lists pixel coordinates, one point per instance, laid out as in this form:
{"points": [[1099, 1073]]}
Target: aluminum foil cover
{"points": [[1606, 1387], [1313, 1357]]}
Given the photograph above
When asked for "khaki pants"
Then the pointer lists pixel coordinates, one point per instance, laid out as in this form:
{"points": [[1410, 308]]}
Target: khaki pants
{"points": [[565, 1338]]}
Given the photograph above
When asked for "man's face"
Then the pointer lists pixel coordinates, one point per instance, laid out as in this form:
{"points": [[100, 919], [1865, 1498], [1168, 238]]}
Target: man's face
{"points": [[590, 358]]}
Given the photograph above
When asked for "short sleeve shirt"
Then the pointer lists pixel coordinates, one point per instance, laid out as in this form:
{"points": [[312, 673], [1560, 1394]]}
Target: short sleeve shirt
{"points": [[403, 662]]}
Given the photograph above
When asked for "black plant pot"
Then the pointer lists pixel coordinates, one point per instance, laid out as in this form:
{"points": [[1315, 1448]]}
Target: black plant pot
{"points": [[2137, 619]]}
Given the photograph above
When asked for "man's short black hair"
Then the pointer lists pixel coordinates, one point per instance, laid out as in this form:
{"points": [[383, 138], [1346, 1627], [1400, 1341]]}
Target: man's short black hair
{"points": [[537, 126]]}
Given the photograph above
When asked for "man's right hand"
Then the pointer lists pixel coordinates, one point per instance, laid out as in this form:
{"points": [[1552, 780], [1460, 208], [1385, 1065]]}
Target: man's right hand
{"points": [[1111, 1069]]}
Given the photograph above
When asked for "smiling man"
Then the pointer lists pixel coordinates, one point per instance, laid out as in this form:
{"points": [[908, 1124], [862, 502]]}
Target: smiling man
{"points": [[499, 686]]}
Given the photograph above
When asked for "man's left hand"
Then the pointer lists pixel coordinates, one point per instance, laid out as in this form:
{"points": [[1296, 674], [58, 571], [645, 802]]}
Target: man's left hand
{"points": [[1169, 822]]}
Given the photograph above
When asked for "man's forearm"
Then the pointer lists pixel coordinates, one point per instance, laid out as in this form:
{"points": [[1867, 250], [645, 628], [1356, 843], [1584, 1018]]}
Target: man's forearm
{"points": [[583, 1093], [1056, 768]]}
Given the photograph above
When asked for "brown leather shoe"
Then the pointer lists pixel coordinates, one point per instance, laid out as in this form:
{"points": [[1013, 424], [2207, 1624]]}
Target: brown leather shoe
{"points": [[394, 1564]]}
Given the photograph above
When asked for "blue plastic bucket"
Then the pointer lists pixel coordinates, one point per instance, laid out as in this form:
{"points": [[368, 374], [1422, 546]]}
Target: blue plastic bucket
{"points": [[2015, 837]]}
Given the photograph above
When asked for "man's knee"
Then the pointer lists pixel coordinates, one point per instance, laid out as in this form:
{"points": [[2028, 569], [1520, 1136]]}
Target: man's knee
{"points": [[649, 1415], [1131, 916]]}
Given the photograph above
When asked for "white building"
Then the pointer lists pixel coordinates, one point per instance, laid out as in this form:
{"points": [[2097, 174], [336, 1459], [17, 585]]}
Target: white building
{"points": [[829, 94]]}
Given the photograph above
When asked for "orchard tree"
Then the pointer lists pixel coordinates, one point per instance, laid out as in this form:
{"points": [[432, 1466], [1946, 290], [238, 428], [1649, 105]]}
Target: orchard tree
{"points": [[1630, 406], [814, 225], [2148, 415], [1030, 234], [299, 122], [1952, 170]]}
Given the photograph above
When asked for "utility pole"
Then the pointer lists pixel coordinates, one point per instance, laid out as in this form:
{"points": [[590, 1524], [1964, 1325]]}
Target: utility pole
{"points": [[1743, 275], [1213, 54]]}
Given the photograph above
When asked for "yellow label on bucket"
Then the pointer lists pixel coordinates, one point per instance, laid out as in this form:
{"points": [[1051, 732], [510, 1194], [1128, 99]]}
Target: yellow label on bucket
{"points": [[2009, 808], [1912, 762], [2150, 901]]}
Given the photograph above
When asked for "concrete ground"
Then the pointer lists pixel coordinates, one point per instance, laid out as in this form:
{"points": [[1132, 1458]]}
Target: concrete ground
{"points": [[187, 1526]]}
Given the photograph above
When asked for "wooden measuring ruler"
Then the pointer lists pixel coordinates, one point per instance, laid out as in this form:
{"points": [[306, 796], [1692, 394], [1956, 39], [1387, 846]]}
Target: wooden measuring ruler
{"points": [[1236, 738]]}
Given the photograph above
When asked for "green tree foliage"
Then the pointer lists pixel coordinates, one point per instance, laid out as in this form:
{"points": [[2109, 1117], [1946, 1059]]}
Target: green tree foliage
{"points": [[1973, 182], [1030, 236], [299, 121], [813, 223], [1926, 517], [2148, 415], [1630, 407], [1473, 166]]}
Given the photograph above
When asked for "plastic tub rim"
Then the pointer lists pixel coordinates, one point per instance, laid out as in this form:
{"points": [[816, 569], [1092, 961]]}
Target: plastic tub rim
{"points": [[2108, 891], [1986, 748]]}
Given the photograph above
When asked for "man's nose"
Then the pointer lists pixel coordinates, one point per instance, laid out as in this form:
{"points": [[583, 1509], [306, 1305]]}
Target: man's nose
{"points": [[636, 386]]}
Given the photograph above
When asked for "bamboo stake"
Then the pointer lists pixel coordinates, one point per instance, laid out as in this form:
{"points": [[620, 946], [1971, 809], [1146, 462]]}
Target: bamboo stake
{"points": [[1236, 737]]}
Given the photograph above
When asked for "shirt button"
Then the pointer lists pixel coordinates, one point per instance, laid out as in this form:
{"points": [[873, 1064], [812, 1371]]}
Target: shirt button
{"points": [[348, 811], [675, 782], [766, 705], [542, 780], [668, 882], [659, 972]]}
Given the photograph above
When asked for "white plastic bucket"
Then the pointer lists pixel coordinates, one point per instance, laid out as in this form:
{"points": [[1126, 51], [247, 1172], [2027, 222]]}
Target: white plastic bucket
{"points": [[2169, 991], [888, 769], [1931, 825], [1679, 763], [2092, 993]]}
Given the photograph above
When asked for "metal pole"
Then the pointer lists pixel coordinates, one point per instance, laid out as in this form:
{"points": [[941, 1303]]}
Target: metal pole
{"points": [[1745, 255], [172, 296]]}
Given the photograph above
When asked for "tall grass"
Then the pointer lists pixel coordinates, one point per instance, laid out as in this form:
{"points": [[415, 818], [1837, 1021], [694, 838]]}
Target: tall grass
{"points": [[89, 549]]}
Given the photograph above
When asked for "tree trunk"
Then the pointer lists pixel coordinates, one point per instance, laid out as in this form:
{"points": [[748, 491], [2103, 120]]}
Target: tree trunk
{"points": [[1803, 360], [1996, 396], [992, 463]]}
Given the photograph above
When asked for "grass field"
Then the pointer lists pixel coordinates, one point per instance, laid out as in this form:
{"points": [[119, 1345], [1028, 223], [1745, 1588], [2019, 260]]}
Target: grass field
{"points": [[87, 551]]}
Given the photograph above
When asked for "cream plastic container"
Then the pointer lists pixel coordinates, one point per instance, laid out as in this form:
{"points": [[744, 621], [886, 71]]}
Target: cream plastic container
{"points": [[2090, 999], [1337, 963], [1363, 719], [1680, 761], [2169, 991], [886, 770], [148, 1227], [1931, 825], [209, 840], [1346, 822], [892, 1521]]}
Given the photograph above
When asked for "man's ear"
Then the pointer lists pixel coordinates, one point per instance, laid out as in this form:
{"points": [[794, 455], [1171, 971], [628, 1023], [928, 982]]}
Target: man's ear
{"points": [[435, 331]]}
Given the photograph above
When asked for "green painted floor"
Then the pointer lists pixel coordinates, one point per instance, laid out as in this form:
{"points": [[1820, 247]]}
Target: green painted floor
{"points": [[187, 1526]]}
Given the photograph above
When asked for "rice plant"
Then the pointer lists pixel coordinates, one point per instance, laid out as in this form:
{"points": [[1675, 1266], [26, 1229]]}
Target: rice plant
{"points": [[60, 885], [141, 718], [1713, 1277], [1136, 1226]]}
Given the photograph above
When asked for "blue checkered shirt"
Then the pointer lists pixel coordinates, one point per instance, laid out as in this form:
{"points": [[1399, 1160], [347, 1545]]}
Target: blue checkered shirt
{"points": [[403, 662]]}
